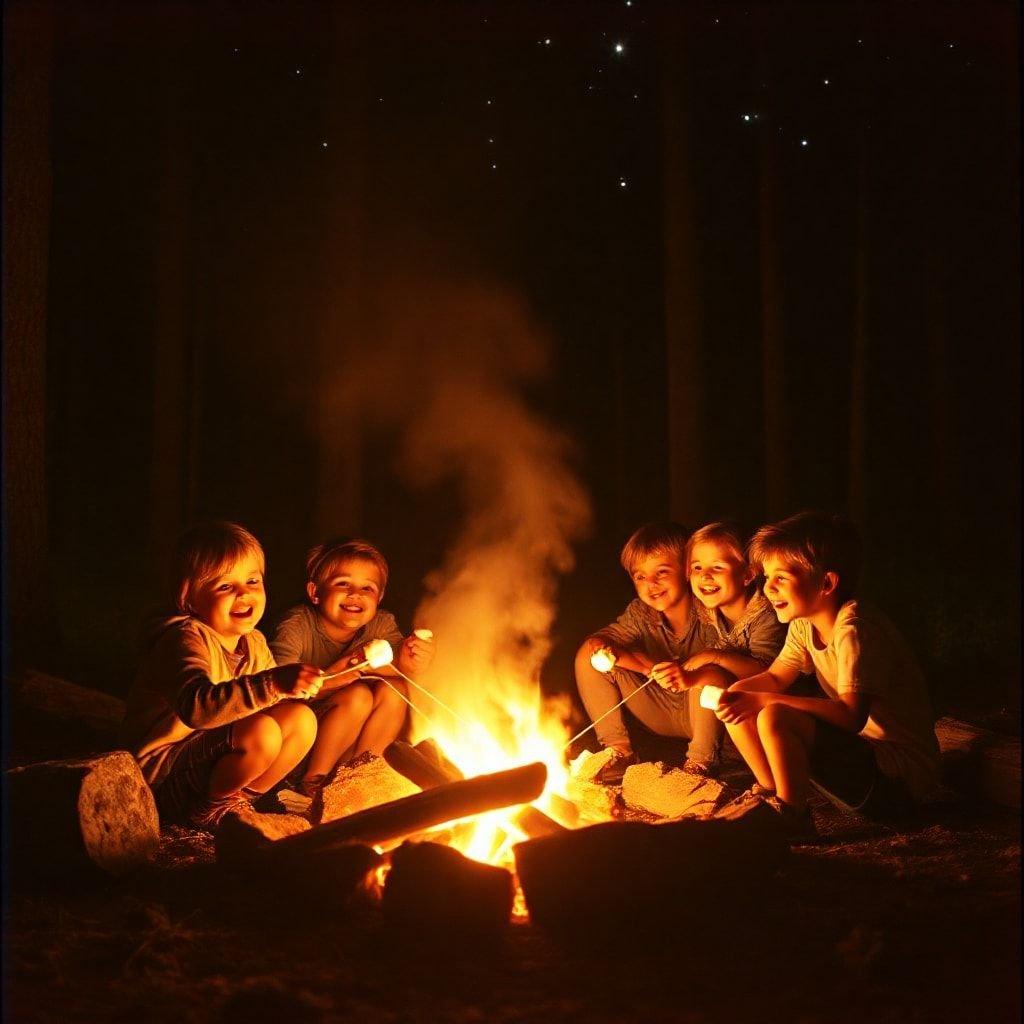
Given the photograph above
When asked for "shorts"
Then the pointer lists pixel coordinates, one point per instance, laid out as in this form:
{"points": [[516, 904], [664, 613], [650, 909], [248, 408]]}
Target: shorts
{"points": [[844, 769], [185, 787]]}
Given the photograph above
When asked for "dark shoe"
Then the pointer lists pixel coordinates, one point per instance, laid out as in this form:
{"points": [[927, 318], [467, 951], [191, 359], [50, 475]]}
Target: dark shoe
{"points": [[745, 803], [611, 774], [796, 824], [706, 771]]}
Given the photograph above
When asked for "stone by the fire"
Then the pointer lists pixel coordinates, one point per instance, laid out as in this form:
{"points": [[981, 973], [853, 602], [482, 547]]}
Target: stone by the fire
{"points": [[433, 891], [243, 834], [90, 816], [594, 801], [614, 879], [366, 781], [670, 792]]}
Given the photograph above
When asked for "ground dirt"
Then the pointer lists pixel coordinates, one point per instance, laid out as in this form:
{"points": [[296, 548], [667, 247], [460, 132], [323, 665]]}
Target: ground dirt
{"points": [[866, 923]]}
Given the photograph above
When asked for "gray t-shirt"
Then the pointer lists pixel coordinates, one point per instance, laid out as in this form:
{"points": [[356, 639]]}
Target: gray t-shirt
{"points": [[641, 629], [301, 637], [868, 655]]}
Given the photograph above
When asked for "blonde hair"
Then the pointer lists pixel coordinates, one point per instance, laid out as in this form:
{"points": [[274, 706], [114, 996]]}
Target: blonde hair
{"points": [[728, 534], [323, 560], [201, 554], [817, 542], [652, 539]]}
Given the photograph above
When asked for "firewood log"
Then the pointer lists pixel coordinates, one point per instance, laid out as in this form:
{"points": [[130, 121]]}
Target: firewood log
{"points": [[73, 819], [427, 773], [980, 763], [436, 894], [601, 879], [435, 806]]}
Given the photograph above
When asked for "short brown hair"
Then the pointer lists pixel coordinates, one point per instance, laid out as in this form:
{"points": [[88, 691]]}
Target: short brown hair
{"points": [[818, 542], [651, 539], [322, 560], [200, 554]]}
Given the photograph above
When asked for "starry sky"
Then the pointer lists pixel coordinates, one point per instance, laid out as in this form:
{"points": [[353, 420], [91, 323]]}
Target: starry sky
{"points": [[526, 143]]}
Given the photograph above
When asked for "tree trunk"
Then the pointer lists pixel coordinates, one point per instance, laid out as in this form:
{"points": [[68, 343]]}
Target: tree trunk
{"points": [[27, 174]]}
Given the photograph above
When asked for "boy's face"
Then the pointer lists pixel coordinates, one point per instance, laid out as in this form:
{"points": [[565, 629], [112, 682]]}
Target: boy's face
{"points": [[792, 591], [349, 597], [233, 602], [717, 576], [660, 581]]}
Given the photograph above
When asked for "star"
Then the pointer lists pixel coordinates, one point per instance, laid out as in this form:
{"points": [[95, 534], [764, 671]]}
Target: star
{"points": [[298, 71], [619, 48], [494, 167], [622, 182], [826, 81], [323, 145], [803, 142], [547, 42]]}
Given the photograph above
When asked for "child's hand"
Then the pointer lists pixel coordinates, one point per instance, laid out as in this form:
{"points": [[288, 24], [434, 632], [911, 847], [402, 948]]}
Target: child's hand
{"points": [[736, 706], [669, 676], [300, 681], [418, 652], [699, 660]]}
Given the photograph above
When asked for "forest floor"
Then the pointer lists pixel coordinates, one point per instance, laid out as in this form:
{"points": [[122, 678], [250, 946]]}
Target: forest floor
{"points": [[867, 922]]}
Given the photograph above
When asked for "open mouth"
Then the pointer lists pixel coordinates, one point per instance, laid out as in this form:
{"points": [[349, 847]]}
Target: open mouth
{"points": [[352, 609], [708, 591], [245, 614]]}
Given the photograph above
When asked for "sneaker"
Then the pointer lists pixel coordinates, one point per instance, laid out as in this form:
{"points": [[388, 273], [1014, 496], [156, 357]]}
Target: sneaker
{"points": [[209, 814], [797, 824], [743, 804], [611, 774], [706, 771]]}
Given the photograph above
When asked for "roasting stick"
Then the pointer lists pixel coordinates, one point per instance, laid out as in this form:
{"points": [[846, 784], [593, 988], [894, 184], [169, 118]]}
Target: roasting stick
{"points": [[604, 661]]}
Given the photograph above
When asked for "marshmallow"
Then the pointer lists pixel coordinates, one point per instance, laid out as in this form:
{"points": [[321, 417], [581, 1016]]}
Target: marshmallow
{"points": [[379, 653], [710, 696], [424, 634], [603, 660]]}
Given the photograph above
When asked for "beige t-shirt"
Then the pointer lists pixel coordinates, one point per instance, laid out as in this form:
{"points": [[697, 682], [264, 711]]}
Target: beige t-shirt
{"points": [[868, 655]]}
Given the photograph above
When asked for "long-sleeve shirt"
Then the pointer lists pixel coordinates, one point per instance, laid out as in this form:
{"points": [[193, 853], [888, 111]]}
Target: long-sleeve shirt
{"points": [[188, 681], [301, 637], [643, 630]]}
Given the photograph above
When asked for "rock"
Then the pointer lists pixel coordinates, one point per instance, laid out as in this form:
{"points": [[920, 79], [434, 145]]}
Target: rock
{"points": [[243, 835], [74, 819], [596, 882], [435, 894], [980, 763], [594, 802], [670, 792], [366, 781]]}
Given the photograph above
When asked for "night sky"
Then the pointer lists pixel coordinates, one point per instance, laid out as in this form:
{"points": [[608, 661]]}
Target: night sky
{"points": [[222, 173]]}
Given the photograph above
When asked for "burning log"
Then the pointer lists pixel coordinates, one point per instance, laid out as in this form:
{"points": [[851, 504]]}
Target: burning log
{"points": [[366, 781], [429, 773], [431, 750], [71, 819], [594, 880], [453, 800], [434, 891], [594, 801]]}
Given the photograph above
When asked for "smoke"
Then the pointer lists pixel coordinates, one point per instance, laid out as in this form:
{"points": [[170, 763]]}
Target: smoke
{"points": [[458, 359]]}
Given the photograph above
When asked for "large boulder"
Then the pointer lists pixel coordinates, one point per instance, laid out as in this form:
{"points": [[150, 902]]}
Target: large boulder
{"points": [[670, 792], [69, 820]]}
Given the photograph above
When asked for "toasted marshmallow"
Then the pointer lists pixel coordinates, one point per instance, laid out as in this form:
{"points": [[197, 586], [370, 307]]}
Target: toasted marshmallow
{"points": [[379, 653], [603, 660]]}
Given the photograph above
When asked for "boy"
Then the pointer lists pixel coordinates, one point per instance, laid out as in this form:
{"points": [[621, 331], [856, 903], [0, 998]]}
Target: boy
{"points": [[211, 721], [345, 582], [656, 633], [868, 743]]}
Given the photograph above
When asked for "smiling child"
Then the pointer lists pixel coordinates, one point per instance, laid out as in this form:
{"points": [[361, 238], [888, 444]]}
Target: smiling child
{"points": [[345, 581]]}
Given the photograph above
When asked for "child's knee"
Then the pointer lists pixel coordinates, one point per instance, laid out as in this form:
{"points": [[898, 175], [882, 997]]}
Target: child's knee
{"points": [[774, 719], [259, 735], [300, 723], [355, 699], [713, 675]]}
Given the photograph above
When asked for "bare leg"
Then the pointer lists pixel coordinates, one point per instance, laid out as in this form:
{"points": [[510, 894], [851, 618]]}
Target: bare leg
{"points": [[386, 718], [707, 730], [748, 743], [298, 728], [256, 743], [786, 737], [338, 729]]}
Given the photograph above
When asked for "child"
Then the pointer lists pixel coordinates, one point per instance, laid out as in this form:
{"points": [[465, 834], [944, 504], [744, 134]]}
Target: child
{"points": [[653, 637], [209, 716], [747, 633], [868, 744], [345, 581]]}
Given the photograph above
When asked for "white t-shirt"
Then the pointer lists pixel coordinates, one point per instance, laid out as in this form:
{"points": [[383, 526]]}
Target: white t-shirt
{"points": [[868, 655]]}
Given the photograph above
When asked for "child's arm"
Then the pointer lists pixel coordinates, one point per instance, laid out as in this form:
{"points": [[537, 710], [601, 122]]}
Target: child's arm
{"points": [[740, 665], [848, 712], [623, 638]]}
